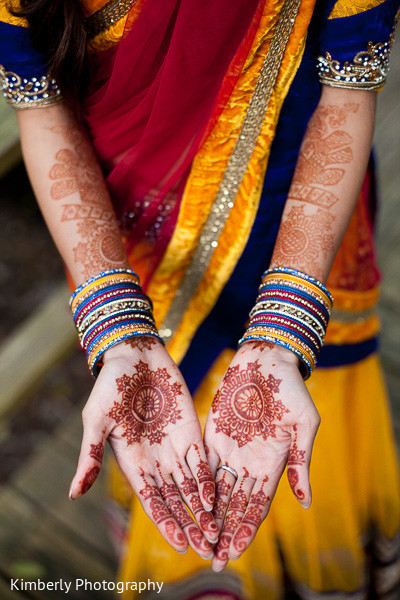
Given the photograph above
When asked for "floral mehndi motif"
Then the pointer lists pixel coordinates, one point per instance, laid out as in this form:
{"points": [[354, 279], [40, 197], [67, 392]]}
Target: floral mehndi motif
{"points": [[148, 404], [245, 404]]}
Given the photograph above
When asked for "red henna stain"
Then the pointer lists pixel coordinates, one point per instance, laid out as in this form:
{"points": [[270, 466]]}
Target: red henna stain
{"points": [[293, 477], [257, 504], [141, 343], [158, 509], [245, 404], [148, 404], [222, 489], [205, 478], [296, 456], [97, 451], [242, 538], [207, 523], [221, 549], [176, 537], [198, 540], [300, 494], [188, 484], [89, 479], [262, 345]]}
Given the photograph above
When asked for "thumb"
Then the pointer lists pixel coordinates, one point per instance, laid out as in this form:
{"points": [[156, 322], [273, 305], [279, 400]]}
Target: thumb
{"points": [[89, 463], [298, 465]]}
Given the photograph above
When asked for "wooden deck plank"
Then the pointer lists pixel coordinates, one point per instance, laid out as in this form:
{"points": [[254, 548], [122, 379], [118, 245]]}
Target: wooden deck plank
{"points": [[37, 345], [34, 536], [10, 150], [45, 481]]}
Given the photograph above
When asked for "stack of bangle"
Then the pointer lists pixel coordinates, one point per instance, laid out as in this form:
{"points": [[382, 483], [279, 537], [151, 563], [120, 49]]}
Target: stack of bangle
{"points": [[292, 310], [108, 308]]}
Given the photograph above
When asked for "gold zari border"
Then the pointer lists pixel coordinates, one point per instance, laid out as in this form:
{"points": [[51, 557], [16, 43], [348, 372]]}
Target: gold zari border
{"points": [[105, 17], [235, 170]]}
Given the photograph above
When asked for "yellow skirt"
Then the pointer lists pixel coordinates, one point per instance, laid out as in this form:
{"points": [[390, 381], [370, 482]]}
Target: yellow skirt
{"points": [[347, 542]]}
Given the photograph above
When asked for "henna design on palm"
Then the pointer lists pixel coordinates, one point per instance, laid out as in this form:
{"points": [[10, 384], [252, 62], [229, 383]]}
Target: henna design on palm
{"points": [[148, 404], [245, 405]]}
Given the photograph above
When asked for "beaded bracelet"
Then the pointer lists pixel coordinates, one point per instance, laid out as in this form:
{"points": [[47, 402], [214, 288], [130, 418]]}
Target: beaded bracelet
{"points": [[292, 310], [109, 308]]}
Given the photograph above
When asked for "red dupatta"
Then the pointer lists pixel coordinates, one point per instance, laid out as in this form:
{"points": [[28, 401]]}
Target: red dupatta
{"points": [[153, 98]]}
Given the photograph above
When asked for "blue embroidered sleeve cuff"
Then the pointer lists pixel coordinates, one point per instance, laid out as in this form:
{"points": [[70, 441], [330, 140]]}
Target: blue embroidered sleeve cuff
{"points": [[23, 72], [22, 92], [355, 50]]}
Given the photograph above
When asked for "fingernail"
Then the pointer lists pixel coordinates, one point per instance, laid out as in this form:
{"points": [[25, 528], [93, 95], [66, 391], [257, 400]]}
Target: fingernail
{"points": [[71, 489], [306, 505], [217, 569], [213, 540], [182, 551], [209, 509], [209, 557], [233, 557]]}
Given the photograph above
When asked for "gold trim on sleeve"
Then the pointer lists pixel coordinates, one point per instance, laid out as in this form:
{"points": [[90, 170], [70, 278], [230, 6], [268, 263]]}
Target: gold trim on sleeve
{"points": [[368, 71], [28, 93]]}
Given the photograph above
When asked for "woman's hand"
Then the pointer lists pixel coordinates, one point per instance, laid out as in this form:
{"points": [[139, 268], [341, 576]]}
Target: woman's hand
{"points": [[140, 403], [262, 418]]}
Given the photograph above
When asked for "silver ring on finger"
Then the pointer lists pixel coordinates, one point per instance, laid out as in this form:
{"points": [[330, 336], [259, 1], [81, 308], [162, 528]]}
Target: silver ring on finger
{"points": [[229, 469]]}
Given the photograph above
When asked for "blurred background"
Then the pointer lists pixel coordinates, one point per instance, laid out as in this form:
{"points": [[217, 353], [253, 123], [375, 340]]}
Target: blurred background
{"points": [[44, 380]]}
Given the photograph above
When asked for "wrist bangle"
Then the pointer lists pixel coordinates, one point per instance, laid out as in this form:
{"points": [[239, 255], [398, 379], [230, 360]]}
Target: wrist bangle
{"points": [[109, 308], [292, 310]]}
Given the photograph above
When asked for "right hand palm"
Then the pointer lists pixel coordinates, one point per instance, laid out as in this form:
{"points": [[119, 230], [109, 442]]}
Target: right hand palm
{"points": [[140, 403]]}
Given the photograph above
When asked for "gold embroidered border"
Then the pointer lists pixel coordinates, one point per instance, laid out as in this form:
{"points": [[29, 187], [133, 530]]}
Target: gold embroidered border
{"points": [[235, 170], [24, 93], [368, 71], [103, 18]]}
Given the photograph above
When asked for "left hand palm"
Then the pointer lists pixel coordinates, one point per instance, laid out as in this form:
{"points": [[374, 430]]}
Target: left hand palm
{"points": [[262, 417]]}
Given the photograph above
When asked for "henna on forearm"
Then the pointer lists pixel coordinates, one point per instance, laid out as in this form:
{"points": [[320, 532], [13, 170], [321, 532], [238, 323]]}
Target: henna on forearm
{"points": [[75, 172], [327, 181], [71, 191]]}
